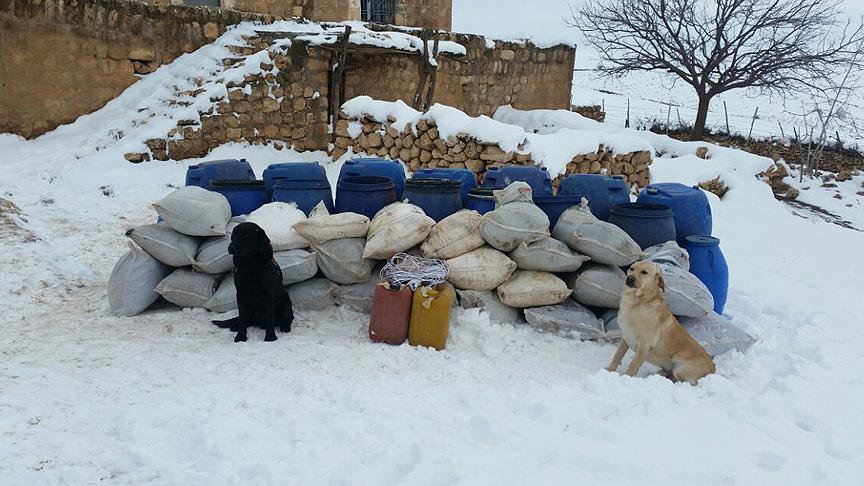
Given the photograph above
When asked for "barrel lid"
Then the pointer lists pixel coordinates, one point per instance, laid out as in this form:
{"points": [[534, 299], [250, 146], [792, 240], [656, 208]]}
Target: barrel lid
{"points": [[671, 188], [702, 240], [237, 183], [642, 210]]}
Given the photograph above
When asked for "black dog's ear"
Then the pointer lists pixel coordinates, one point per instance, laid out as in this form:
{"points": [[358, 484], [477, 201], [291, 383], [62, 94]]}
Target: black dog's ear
{"points": [[265, 248]]}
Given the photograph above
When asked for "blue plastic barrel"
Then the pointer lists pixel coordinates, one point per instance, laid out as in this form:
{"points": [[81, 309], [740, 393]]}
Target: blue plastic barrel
{"points": [[373, 167], [243, 196], [364, 195], [465, 177], [708, 264], [602, 191], [305, 193], [536, 177], [438, 198], [691, 207], [226, 170], [295, 171], [554, 206], [480, 200], [647, 224]]}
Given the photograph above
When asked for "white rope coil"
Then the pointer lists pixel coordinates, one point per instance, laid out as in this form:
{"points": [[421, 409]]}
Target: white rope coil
{"points": [[404, 269]]}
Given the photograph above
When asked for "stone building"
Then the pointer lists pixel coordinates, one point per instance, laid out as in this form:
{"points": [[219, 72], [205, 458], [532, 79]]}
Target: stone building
{"points": [[61, 59], [431, 14]]}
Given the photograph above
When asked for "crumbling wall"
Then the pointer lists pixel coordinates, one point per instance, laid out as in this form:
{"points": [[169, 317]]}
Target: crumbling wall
{"points": [[60, 59], [420, 145], [289, 107], [518, 74]]}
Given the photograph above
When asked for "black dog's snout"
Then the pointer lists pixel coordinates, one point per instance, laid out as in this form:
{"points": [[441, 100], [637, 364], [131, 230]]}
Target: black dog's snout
{"points": [[631, 281]]}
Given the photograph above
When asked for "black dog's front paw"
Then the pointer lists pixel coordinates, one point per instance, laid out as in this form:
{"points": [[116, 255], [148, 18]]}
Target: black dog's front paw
{"points": [[285, 328], [240, 338], [270, 336]]}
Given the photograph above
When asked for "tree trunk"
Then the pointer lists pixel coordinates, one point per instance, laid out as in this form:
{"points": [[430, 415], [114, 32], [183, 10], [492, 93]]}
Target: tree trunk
{"points": [[701, 117]]}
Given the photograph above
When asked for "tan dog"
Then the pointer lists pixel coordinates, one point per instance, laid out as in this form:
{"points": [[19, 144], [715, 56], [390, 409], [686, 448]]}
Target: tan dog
{"points": [[652, 331]]}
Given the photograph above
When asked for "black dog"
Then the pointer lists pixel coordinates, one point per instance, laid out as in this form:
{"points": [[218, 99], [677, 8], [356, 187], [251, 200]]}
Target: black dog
{"points": [[261, 299]]}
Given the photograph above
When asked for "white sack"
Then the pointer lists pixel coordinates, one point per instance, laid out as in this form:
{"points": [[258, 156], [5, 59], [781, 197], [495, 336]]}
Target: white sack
{"points": [[517, 222], [488, 301], [186, 288], [454, 235], [532, 289], [321, 226], [132, 284], [598, 285], [313, 295], [603, 242], [481, 269], [195, 211], [567, 318], [717, 334], [357, 296], [396, 228], [342, 261], [518, 191], [296, 265], [213, 256], [277, 219], [685, 294], [547, 255], [669, 253], [225, 298], [165, 244]]}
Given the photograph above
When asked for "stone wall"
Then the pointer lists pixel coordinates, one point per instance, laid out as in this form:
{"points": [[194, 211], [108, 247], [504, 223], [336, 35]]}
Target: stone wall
{"points": [[290, 106], [60, 59], [421, 146], [521, 75], [431, 14], [321, 10]]}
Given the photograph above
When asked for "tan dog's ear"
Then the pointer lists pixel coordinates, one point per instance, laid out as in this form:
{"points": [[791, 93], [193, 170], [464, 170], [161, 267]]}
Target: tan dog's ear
{"points": [[660, 282]]}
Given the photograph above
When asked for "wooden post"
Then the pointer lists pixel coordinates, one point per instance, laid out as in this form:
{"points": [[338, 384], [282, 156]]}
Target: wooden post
{"points": [[782, 134], [752, 122], [627, 120], [433, 75], [337, 86], [422, 70], [726, 111], [668, 117]]}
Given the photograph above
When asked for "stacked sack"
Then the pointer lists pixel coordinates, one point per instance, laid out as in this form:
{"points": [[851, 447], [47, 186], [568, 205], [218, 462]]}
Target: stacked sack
{"points": [[597, 285], [475, 249], [185, 258]]}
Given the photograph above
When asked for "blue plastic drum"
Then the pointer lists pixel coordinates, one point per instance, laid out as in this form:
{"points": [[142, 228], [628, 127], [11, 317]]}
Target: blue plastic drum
{"points": [[243, 196], [305, 193], [690, 204], [708, 264], [438, 198], [647, 224], [364, 195], [602, 191], [226, 170]]}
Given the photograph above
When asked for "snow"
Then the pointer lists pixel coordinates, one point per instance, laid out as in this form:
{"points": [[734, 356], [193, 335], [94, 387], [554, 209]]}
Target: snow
{"points": [[167, 398], [648, 94]]}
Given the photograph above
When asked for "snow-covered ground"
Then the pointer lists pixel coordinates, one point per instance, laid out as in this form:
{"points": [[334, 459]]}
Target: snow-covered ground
{"points": [[166, 398], [650, 94]]}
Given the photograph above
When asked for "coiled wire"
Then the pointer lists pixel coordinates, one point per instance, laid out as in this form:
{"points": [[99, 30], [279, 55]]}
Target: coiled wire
{"points": [[405, 269]]}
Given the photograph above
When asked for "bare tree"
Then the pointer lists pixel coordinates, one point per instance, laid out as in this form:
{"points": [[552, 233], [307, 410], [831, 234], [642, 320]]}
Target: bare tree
{"points": [[719, 45]]}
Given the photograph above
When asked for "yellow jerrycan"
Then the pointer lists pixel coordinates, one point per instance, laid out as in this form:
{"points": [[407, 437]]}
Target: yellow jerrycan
{"points": [[430, 316]]}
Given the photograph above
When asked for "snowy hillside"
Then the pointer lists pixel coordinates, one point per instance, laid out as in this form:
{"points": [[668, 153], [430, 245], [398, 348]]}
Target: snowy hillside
{"points": [[166, 398], [650, 94]]}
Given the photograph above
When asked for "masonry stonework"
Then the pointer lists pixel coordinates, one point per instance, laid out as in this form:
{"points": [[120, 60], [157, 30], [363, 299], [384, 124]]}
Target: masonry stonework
{"points": [[61, 59]]}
